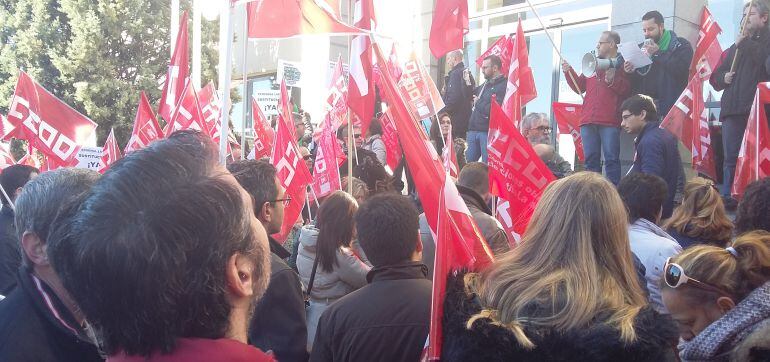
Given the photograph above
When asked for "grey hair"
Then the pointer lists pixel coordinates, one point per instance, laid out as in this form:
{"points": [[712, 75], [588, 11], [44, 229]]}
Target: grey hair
{"points": [[531, 118], [42, 198], [457, 54], [762, 8]]}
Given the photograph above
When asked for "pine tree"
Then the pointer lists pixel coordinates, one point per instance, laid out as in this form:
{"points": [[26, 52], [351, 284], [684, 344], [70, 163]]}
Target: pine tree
{"points": [[96, 55]]}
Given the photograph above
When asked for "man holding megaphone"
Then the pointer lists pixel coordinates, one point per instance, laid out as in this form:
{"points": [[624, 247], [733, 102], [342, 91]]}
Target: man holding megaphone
{"points": [[605, 88]]}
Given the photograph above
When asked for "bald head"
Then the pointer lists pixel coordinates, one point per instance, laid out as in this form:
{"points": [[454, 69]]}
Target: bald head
{"points": [[454, 57]]}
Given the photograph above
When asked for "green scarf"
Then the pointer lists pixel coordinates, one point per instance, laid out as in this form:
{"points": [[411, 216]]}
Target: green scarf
{"points": [[665, 41]]}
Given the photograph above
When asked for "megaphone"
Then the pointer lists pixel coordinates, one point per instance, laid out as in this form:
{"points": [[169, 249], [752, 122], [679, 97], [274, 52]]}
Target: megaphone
{"points": [[592, 64]]}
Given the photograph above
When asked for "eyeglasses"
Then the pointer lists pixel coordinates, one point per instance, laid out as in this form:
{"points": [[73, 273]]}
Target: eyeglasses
{"points": [[357, 135], [284, 200], [307, 157], [674, 276], [543, 129]]}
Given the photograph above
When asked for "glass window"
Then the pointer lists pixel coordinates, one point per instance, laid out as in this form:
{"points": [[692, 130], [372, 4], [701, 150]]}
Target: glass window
{"points": [[576, 42], [541, 62], [494, 4], [472, 52], [727, 14]]}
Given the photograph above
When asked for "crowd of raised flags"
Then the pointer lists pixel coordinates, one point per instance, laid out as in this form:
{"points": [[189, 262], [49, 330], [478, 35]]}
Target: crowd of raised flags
{"points": [[517, 175]]}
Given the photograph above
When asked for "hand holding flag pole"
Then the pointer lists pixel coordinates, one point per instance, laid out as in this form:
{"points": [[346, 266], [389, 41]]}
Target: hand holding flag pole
{"points": [[743, 27]]}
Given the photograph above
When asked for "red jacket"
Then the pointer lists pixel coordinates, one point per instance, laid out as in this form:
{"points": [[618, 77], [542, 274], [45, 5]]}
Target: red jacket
{"points": [[601, 100], [200, 350]]}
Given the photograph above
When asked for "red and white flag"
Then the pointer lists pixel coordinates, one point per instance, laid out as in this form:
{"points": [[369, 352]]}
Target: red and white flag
{"points": [[326, 174], [187, 114], [568, 119], [6, 159], [516, 174], [285, 108], [49, 124], [390, 138], [292, 173], [273, 19], [336, 106], [707, 49], [178, 73], [209, 101], [263, 133], [416, 85], [110, 152], [754, 156], [395, 69], [450, 157], [361, 88], [688, 121], [459, 243], [503, 48], [521, 83], [146, 128], [449, 25]]}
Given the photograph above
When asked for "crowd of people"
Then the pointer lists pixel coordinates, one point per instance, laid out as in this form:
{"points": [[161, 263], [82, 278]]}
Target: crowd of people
{"points": [[171, 256]]}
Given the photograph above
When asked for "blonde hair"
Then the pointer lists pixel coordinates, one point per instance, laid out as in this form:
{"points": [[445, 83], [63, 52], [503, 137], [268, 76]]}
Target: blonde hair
{"points": [[574, 262], [359, 188], [702, 213], [737, 274]]}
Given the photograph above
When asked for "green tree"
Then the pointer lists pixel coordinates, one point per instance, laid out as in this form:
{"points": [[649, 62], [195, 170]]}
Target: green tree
{"points": [[96, 55]]}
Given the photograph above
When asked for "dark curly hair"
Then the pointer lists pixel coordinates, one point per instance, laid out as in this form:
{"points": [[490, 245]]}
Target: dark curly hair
{"points": [[754, 209]]}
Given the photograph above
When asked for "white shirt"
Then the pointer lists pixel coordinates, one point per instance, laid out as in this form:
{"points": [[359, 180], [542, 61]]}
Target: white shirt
{"points": [[652, 246]]}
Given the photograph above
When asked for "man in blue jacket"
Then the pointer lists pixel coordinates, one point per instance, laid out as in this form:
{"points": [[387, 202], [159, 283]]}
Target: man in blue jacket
{"points": [[458, 93], [664, 79], [478, 126], [656, 148]]}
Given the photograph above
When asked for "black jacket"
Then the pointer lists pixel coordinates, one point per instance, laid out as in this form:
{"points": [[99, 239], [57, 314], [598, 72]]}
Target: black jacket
{"points": [[666, 78], [480, 116], [749, 70], [386, 320], [657, 153], [656, 337], [10, 254], [279, 322], [458, 99], [30, 331]]}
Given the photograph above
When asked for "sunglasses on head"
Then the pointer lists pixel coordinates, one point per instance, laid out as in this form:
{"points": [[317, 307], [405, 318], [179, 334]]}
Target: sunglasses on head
{"points": [[674, 276]]}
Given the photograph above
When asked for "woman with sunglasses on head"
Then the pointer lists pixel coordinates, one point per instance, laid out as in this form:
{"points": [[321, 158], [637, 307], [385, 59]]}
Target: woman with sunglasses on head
{"points": [[701, 218], [325, 256], [374, 142], [569, 292], [720, 298]]}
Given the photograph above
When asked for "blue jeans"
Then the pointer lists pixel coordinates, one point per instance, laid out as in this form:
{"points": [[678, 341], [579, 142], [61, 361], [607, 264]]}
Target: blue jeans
{"points": [[733, 128], [598, 140], [477, 146]]}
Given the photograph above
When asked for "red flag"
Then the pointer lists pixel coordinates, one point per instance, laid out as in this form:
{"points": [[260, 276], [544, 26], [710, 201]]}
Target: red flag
{"points": [[521, 83], [417, 86], [707, 49], [287, 18], [395, 68], [146, 128], [464, 247], [178, 73], [688, 121], [6, 159], [503, 48], [187, 113], [263, 134], [209, 102], [450, 23], [284, 107], [110, 152], [336, 103], [49, 124], [390, 138], [754, 156], [293, 174], [326, 174], [516, 173], [450, 157], [568, 119], [361, 88]]}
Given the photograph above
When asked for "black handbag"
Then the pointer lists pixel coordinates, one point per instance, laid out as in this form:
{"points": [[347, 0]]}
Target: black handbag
{"points": [[310, 284]]}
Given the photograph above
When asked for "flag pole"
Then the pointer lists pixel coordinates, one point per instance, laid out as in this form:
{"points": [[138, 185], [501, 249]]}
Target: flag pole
{"points": [[351, 6], [545, 30], [743, 26], [225, 71], [174, 26], [246, 97], [196, 45], [307, 204], [5, 194]]}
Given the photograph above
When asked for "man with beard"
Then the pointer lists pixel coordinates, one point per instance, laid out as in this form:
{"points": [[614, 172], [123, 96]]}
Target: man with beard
{"points": [[165, 256], [537, 129], [664, 79], [478, 126]]}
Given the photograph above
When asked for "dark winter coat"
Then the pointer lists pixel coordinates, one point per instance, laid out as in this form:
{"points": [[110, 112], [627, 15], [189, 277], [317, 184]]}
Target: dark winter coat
{"points": [[10, 254], [601, 100], [36, 326], [657, 153], [489, 226], [480, 116], [458, 99], [279, 319], [386, 320], [749, 70], [656, 336], [665, 79]]}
